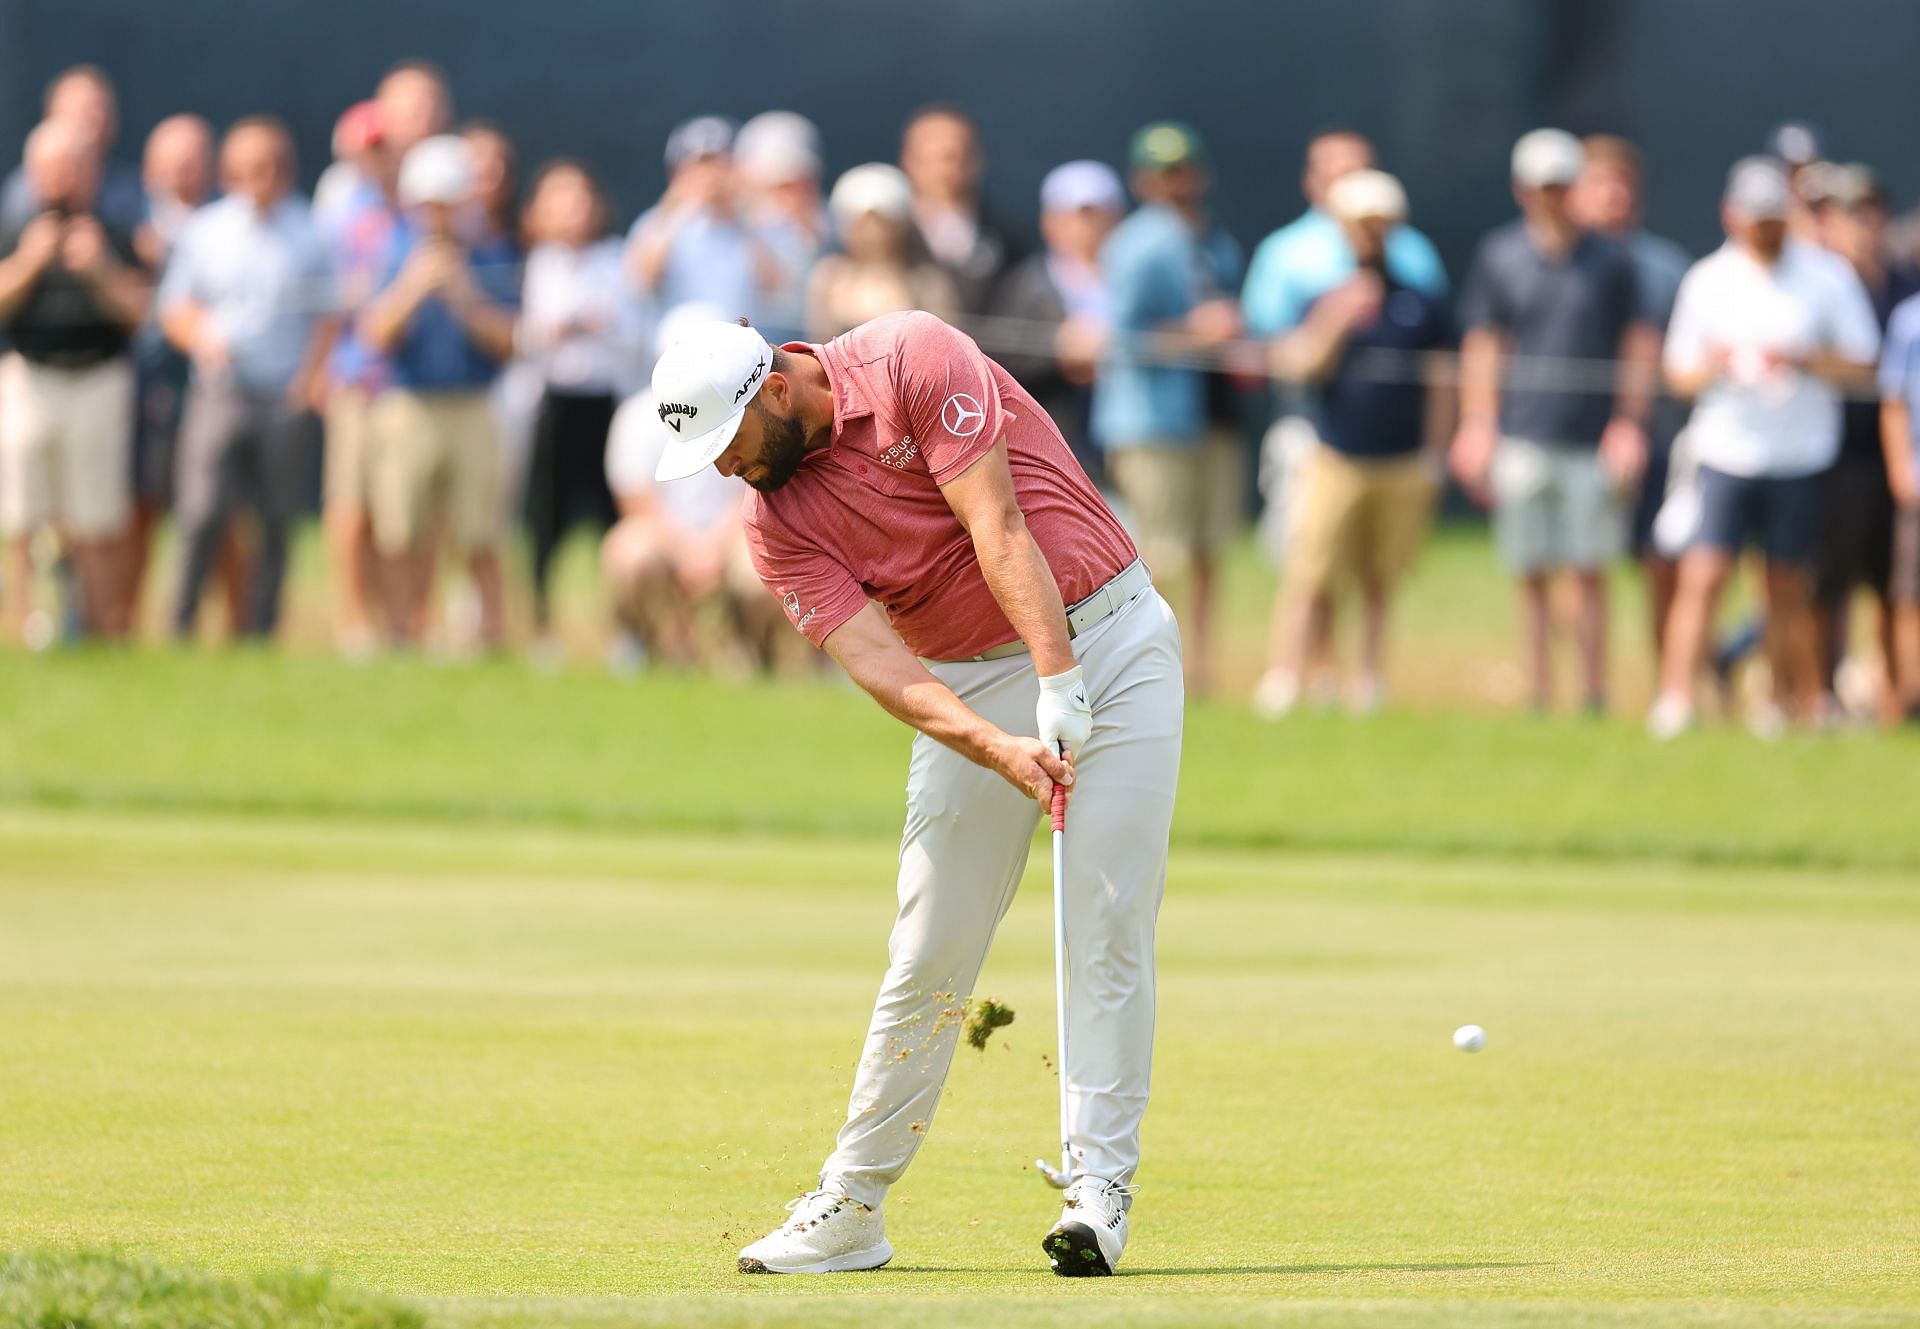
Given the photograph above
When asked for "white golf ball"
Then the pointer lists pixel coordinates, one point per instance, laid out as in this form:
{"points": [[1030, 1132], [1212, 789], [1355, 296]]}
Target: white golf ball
{"points": [[1469, 1038]]}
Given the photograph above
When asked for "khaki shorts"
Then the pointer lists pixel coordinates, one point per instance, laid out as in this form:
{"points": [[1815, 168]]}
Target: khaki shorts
{"points": [[1359, 520], [1187, 499], [66, 448], [1554, 507], [344, 485], [433, 459]]}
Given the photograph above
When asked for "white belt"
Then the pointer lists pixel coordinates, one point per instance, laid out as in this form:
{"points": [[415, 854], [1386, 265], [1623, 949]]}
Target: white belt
{"points": [[1081, 616]]}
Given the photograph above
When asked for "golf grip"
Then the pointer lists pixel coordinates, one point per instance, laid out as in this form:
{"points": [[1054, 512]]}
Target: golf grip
{"points": [[1059, 807]]}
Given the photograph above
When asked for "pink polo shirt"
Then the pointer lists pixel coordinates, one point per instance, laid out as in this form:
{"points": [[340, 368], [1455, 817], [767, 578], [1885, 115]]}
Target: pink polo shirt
{"points": [[915, 403]]}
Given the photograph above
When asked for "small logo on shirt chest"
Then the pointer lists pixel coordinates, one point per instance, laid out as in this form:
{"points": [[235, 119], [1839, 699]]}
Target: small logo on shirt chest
{"points": [[900, 453]]}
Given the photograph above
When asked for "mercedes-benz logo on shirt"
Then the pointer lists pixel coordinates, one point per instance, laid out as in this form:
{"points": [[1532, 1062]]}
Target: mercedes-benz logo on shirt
{"points": [[963, 415]]}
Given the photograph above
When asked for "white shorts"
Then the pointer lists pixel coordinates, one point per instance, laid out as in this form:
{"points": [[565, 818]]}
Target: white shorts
{"points": [[1555, 507], [66, 445]]}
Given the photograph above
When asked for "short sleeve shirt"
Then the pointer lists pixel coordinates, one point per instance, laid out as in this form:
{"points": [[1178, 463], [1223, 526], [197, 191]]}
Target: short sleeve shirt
{"points": [[1552, 310], [1373, 404], [916, 404], [436, 354], [1900, 363], [62, 323]]}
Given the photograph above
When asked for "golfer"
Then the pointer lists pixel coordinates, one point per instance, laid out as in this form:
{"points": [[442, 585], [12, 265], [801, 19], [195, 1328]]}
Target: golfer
{"points": [[922, 520]]}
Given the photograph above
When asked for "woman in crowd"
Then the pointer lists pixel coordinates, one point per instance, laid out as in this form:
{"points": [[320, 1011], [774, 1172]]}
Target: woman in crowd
{"points": [[872, 210]]}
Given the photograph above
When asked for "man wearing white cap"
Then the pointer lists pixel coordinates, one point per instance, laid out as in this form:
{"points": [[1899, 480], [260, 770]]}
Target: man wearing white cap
{"points": [[777, 154], [1763, 330], [694, 245], [1380, 432], [1552, 432], [444, 319], [919, 516], [1055, 303]]}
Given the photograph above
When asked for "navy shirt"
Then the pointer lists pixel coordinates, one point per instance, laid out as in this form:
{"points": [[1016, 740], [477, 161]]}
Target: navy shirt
{"points": [[1373, 404], [435, 354], [1575, 307], [1860, 417]]}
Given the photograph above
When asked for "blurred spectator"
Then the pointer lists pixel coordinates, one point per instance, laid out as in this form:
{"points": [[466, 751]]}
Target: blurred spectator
{"points": [[778, 156], [84, 97], [1801, 148], [1763, 330], [1310, 255], [1370, 483], [363, 238], [1855, 547], [679, 555], [694, 245], [177, 172], [1293, 267], [1550, 433], [72, 291], [445, 320], [244, 296], [1606, 199], [496, 183], [1171, 431], [575, 328], [1056, 302], [1900, 439], [876, 272], [415, 103], [941, 155], [354, 133]]}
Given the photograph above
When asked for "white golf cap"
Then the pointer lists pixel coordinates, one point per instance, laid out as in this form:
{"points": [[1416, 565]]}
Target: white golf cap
{"points": [[1072, 186], [1758, 189], [437, 170], [777, 146], [1547, 157], [1359, 194], [702, 384], [875, 187]]}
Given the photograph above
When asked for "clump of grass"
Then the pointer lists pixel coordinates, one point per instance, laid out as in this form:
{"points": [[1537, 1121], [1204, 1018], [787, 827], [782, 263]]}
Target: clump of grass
{"points": [[986, 1016], [101, 1290]]}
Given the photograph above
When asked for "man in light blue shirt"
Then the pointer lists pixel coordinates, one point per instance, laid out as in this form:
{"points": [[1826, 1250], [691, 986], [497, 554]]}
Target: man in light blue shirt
{"points": [[696, 245], [1309, 256], [1171, 431], [1900, 439], [245, 294]]}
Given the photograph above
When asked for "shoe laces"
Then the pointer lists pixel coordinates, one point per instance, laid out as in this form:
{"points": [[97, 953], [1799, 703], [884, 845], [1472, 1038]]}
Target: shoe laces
{"points": [[813, 1208], [1110, 1191]]}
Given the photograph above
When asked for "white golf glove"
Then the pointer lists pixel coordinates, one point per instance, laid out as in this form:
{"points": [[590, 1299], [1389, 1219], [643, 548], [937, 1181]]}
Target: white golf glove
{"points": [[1066, 719]]}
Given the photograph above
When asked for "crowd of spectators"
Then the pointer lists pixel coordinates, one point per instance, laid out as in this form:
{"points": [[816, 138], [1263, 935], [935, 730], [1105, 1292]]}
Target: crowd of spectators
{"points": [[445, 355]]}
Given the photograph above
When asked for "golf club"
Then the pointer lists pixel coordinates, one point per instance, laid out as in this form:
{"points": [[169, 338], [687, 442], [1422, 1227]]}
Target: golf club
{"points": [[1058, 1178]]}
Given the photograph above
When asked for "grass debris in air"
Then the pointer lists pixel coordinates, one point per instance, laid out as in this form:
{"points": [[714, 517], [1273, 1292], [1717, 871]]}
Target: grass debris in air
{"points": [[986, 1016]]}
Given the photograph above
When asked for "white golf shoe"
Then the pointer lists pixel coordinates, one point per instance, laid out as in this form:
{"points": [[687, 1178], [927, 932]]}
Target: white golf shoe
{"points": [[1092, 1231], [828, 1234]]}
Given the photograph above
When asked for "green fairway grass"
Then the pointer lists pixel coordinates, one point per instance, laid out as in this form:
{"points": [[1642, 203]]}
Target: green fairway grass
{"points": [[549, 1075]]}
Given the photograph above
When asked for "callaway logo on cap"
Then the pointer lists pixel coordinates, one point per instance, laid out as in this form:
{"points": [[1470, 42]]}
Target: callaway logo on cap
{"points": [[703, 382]]}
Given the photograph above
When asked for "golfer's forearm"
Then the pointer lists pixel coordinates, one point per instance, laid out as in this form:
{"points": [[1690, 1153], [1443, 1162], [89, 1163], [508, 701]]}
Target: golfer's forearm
{"points": [[1023, 585], [910, 694]]}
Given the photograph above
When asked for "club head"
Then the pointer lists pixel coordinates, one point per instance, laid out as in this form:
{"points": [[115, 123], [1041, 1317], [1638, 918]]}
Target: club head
{"points": [[1058, 1178]]}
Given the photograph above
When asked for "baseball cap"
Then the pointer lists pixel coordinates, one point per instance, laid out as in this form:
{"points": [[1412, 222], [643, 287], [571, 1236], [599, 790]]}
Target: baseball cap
{"points": [[437, 170], [1849, 186], [358, 128], [1165, 143], [702, 384], [1796, 143], [874, 187], [777, 146], [1360, 194], [1757, 188], [1547, 157], [702, 136], [1082, 184]]}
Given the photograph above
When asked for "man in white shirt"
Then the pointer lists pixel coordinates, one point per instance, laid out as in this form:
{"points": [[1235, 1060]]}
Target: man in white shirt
{"points": [[1764, 329], [679, 547]]}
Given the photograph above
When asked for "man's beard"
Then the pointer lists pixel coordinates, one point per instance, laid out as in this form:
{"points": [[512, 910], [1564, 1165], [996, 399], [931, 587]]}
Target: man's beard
{"points": [[783, 446]]}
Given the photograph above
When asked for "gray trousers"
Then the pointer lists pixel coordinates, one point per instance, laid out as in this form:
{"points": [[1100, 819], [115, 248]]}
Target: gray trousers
{"points": [[236, 446], [962, 854]]}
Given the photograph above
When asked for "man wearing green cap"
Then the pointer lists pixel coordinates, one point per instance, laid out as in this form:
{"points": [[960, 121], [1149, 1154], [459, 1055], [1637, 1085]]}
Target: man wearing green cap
{"points": [[1170, 431]]}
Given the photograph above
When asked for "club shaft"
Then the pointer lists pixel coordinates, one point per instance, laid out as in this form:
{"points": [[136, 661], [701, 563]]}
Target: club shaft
{"points": [[1060, 986]]}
